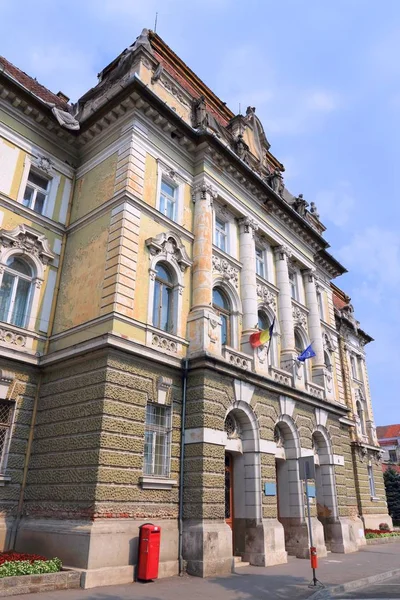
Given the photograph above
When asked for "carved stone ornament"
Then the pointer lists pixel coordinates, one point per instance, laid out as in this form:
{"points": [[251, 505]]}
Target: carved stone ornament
{"points": [[28, 241], [45, 164], [203, 190], [65, 119], [282, 251], [228, 271], [299, 317], [170, 245], [249, 225], [164, 343], [268, 298]]}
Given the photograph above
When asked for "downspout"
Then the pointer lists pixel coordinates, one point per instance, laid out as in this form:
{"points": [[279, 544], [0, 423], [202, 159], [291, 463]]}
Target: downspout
{"points": [[14, 530], [181, 466]]}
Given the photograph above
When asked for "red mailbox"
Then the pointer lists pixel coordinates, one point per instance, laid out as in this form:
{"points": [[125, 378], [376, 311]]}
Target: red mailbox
{"points": [[149, 551]]}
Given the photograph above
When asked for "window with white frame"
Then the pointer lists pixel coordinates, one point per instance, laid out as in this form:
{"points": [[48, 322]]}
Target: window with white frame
{"points": [[261, 263], [222, 307], [168, 199], [6, 411], [353, 367], [320, 305], [36, 192], [157, 440], [392, 456], [221, 234], [294, 291], [163, 298], [371, 481], [15, 292]]}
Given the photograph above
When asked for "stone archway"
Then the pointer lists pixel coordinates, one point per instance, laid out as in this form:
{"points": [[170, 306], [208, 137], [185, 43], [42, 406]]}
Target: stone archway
{"points": [[257, 540], [325, 483]]}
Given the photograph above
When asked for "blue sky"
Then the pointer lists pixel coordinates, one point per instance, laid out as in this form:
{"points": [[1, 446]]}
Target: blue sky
{"points": [[324, 76]]}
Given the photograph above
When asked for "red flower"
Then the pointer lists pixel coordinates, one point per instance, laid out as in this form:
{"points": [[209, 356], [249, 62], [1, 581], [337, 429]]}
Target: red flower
{"points": [[11, 556]]}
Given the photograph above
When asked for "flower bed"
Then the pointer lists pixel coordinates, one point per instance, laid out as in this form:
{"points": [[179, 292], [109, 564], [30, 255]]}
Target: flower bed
{"points": [[380, 533], [15, 563]]}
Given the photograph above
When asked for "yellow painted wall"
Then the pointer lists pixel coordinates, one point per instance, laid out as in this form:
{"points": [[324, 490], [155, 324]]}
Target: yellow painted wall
{"points": [[82, 275], [150, 181], [94, 188]]}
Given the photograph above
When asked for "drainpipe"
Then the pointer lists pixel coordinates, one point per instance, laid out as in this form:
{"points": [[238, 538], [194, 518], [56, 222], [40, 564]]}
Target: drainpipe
{"points": [[15, 527], [181, 466]]}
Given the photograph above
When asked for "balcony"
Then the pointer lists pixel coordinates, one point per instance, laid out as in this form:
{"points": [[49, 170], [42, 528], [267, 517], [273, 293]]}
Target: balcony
{"points": [[281, 376], [236, 358], [315, 390]]}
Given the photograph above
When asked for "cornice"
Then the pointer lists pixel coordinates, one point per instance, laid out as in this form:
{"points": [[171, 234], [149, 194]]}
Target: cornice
{"points": [[31, 215]]}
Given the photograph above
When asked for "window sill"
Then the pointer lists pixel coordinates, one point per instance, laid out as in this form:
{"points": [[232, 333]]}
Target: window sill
{"points": [[157, 483], [4, 480]]}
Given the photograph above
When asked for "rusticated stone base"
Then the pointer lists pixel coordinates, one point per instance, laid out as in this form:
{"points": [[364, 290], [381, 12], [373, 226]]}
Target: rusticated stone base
{"points": [[297, 540], [106, 549], [207, 547], [373, 521], [345, 535], [264, 542], [47, 582]]}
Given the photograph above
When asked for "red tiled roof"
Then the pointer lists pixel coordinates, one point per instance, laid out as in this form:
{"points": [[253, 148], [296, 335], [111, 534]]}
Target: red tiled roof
{"points": [[31, 84], [388, 431], [385, 467]]}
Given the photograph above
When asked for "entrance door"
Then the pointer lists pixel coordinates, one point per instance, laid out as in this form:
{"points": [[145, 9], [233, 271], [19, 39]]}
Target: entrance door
{"points": [[229, 489]]}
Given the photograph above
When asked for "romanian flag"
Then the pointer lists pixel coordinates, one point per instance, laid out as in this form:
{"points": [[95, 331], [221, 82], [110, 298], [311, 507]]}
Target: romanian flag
{"points": [[262, 337]]}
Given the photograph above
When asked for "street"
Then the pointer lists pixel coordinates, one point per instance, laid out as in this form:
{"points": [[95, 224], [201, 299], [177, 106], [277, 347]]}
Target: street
{"points": [[386, 589]]}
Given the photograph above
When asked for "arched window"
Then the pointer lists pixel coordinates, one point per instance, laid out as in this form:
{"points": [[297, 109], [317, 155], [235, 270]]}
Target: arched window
{"points": [[360, 413], [263, 320], [327, 360], [163, 299], [15, 292], [298, 343], [222, 307]]}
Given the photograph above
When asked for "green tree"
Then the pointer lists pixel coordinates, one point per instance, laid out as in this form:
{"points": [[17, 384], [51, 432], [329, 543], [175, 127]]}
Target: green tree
{"points": [[392, 485]]}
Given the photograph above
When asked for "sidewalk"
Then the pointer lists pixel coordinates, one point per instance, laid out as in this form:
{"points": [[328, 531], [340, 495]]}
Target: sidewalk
{"points": [[251, 583]]}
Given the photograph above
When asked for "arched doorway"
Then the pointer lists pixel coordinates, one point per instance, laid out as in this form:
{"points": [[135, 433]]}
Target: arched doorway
{"points": [[290, 494], [243, 505], [326, 499]]}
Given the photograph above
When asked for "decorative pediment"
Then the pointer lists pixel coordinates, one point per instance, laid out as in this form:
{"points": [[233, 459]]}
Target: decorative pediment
{"points": [[268, 298], [299, 317], [226, 270], [28, 241], [169, 244]]}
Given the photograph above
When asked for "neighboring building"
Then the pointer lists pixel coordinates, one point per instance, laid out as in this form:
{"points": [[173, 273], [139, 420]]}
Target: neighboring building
{"points": [[146, 233], [366, 452], [389, 440]]}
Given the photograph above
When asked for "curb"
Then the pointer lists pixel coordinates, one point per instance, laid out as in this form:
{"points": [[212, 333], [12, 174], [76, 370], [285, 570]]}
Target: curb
{"points": [[329, 592]]}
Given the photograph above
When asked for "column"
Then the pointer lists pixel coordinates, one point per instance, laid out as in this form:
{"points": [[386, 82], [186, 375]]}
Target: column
{"points": [[314, 327], [203, 323], [248, 281], [285, 307]]}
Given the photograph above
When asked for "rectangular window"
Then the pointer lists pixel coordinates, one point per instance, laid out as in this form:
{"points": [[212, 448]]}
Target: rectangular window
{"points": [[371, 481], [353, 367], [5, 430], [293, 286], [260, 263], [393, 456], [168, 200], [36, 192], [320, 306], [157, 438], [221, 235]]}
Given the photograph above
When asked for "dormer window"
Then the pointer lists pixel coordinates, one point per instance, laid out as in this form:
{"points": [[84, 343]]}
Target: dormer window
{"points": [[36, 192]]}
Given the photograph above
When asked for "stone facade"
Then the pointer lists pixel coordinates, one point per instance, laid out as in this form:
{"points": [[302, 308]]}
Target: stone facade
{"points": [[146, 236]]}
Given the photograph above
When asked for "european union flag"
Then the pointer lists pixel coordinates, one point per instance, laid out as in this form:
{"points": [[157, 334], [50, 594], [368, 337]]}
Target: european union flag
{"points": [[307, 353]]}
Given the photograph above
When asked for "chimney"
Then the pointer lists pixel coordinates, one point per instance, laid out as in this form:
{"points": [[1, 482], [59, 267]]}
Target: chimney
{"points": [[62, 96]]}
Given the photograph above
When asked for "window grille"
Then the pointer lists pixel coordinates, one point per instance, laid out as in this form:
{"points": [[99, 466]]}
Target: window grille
{"points": [[157, 440], [5, 427]]}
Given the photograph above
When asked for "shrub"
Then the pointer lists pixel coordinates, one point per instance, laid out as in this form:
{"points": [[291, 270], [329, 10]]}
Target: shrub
{"points": [[26, 567], [384, 527]]}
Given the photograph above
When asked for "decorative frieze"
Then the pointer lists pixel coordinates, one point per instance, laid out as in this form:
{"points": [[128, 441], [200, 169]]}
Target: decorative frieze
{"points": [[299, 317], [13, 338], [226, 269], [164, 343], [267, 295]]}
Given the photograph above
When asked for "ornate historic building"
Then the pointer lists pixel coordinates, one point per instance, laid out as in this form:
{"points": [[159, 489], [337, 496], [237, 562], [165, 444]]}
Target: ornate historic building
{"points": [[145, 234]]}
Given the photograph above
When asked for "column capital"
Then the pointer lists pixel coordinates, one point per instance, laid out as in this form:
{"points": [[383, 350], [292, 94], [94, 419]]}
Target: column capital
{"points": [[248, 225], [310, 274], [282, 251], [202, 190]]}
